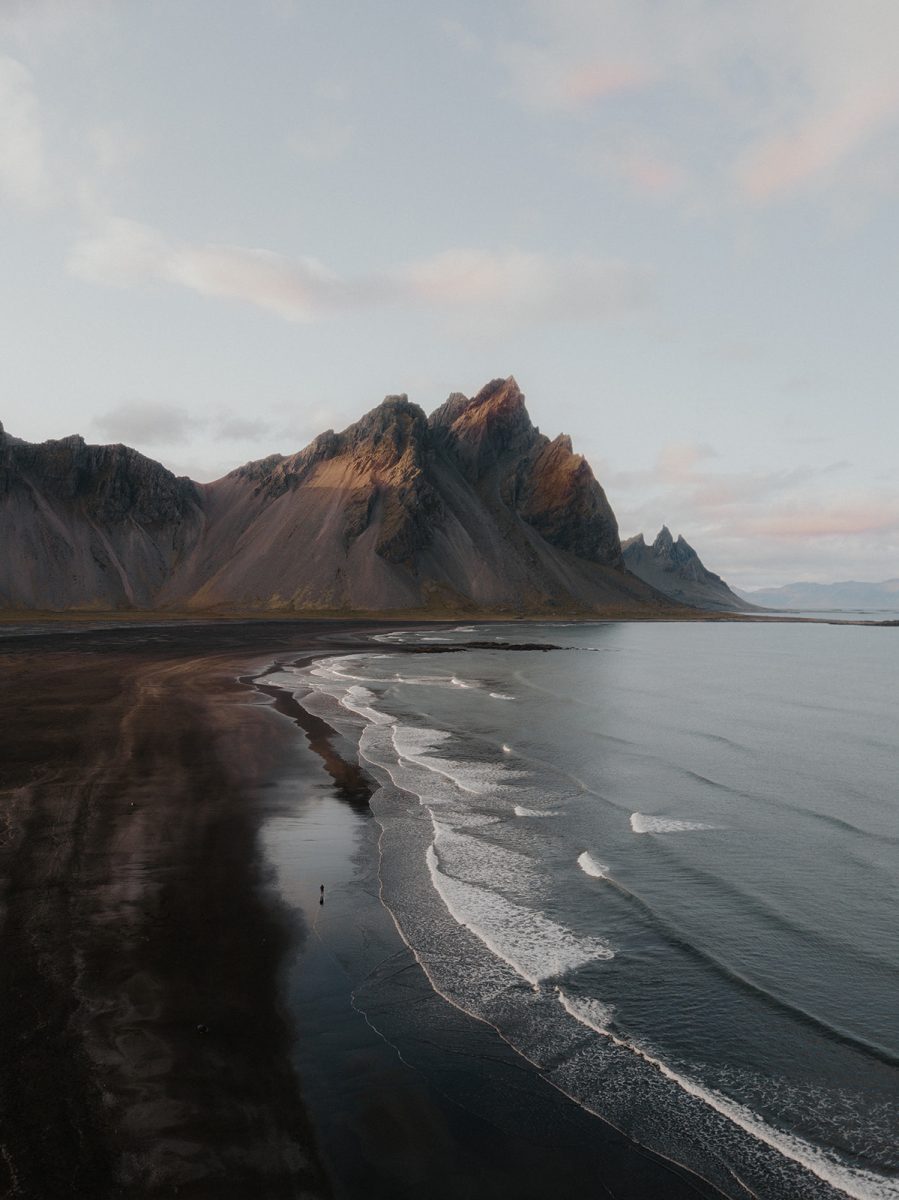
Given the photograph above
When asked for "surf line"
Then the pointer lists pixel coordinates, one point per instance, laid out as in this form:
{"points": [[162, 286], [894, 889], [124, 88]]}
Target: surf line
{"points": [[855, 1183]]}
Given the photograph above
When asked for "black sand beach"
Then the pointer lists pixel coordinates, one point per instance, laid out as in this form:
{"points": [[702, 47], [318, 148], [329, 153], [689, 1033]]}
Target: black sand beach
{"points": [[177, 1019]]}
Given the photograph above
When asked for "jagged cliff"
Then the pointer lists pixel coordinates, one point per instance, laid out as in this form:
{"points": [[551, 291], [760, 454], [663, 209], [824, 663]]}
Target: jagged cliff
{"points": [[472, 508], [90, 526], [675, 569]]}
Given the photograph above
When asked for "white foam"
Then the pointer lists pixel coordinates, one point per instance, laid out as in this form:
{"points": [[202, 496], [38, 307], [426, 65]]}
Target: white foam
{"points": [[470, 859], [421, 746], [590, 866], [285, 677], [506, 749], [539, 949], [644, 823], [469, 820], [854, 1182], [462, 683], [358, 700], [412, 741], [431, 791], [425, 680], [336, 670], [532, 945], [589, 1011], [521, 811], [500, 696]]}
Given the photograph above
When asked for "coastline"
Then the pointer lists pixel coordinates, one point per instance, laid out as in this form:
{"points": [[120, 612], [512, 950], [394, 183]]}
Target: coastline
{"points": [[448, 1108], [21, 622], [145, 1051], [135, 943]]}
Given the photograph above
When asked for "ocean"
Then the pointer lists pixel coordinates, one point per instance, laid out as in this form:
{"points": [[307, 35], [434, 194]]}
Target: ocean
{"points": [[662, 861]]}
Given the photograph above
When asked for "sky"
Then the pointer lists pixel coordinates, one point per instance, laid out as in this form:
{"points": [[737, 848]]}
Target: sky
{"points": [[228, 227]]}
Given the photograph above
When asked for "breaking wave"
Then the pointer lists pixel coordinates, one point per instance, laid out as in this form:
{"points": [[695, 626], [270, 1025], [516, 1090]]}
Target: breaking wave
{"points": [[644, 823], [590, 866]]}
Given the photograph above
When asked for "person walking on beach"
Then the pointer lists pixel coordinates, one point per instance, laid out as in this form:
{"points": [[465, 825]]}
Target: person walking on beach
{"points": [[322, 897]]}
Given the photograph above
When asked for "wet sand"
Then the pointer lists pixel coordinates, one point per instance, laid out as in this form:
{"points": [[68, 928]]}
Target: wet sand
{"points": [[174, 1020], [135, 911]]}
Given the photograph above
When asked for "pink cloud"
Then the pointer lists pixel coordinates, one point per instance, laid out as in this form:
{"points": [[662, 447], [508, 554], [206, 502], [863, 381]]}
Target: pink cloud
{"points": [[759, 101], [592, 81], [758, 527], [479, 288], [781, 164], [864, 516], [653, 176], [678, 460]]}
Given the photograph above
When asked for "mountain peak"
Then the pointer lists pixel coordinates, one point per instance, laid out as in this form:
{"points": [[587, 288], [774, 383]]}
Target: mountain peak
{"points": [[395, 417], [664, 541], [480, 431], [498, 402], [676, 570]]}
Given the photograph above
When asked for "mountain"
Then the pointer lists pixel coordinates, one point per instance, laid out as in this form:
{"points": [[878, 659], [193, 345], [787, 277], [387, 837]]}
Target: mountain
{"points": [[675, 569], [848, 595], [90, 526], [472, 508]]}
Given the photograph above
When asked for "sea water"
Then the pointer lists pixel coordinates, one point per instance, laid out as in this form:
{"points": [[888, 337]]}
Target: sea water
{"points": [[662, 861]]}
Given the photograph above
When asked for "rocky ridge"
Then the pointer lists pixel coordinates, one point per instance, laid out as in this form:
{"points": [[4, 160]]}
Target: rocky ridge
{"points": [[470, 509], [90, 526], [675, 569]]}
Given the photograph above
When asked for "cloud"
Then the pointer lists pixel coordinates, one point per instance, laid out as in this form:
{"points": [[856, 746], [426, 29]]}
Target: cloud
{"points": [[678, 471], [124, 252], [522, 287], [146, 421], [296, 289], [157, 425], [677, 461], [242, 429], [647, 174], [781, 163], [761, 527], [850, 514], [786, 96], [23, 168], [509, 287], [561, 85]]}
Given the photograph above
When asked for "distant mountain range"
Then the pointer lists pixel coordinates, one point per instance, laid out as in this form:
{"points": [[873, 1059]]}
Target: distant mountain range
{"points": [[675, 569], [470, 509], [847, 596]]}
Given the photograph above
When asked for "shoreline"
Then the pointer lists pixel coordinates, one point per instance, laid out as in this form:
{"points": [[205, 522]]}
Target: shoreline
{"points": [[53, 622], [147, 1047], [144, 1051], [134, 928], [409, 900], [628, 1170]]}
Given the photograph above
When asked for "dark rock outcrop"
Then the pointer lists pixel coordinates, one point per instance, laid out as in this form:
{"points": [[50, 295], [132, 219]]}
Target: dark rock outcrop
{"points": [[90, 526], [511, 463], [471, 509], [675, 569]]}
